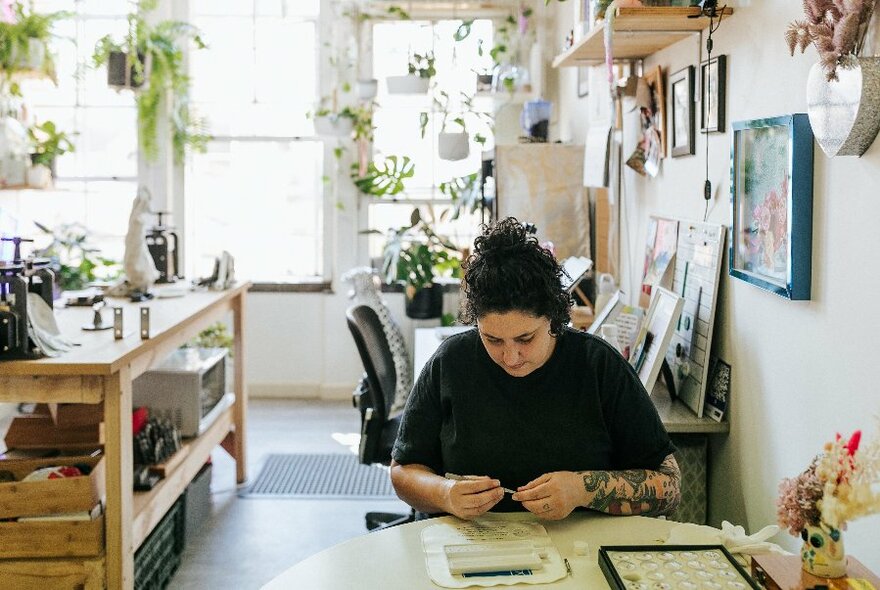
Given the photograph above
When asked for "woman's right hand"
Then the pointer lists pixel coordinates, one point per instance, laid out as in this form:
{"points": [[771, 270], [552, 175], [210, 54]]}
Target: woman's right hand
{"points": [[472, 497]]}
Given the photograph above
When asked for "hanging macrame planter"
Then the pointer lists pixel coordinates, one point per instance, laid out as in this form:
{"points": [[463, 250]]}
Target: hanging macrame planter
{"points": [[845, 113]]}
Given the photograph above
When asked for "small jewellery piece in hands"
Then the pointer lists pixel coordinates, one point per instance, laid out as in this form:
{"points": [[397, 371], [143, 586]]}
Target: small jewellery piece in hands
{"points": [[457, 477]]}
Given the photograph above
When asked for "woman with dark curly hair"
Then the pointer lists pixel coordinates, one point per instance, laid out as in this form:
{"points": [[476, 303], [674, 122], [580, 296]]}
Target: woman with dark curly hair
{"points": [[555, 416]]}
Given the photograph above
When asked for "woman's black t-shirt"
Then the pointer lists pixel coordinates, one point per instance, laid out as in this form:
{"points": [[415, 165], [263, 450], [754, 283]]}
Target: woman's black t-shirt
{"points": [[584, 409]]}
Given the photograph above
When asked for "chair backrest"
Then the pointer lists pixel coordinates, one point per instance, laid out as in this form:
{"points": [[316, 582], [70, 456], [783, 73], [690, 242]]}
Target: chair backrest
{"points": [[372, 345]]}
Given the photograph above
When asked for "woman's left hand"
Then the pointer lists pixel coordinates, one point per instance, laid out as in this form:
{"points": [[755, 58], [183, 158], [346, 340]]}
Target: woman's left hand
{"points": [[553, 495]]}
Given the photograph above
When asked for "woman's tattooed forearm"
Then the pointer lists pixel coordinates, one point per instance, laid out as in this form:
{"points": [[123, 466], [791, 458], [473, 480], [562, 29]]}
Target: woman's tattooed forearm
{"points": [[635, 491]]}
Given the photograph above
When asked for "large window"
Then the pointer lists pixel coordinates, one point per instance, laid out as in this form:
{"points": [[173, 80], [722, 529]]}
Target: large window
{"points": [[96, 183], [257, 192], [397, 119]]}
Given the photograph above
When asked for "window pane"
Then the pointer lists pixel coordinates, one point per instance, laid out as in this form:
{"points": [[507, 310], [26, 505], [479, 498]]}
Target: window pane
{"points": [[258, 200]]}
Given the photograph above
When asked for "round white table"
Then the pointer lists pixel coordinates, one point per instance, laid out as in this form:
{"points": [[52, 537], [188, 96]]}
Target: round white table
{"points": [[393, 559]]}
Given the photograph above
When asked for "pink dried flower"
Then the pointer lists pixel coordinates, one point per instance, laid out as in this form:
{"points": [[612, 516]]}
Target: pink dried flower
{"points": [[797, 503]]}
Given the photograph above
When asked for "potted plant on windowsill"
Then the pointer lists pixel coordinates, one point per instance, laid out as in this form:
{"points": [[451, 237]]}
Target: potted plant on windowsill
{"points": [[416, 256], [455, 145], [73, 260], [154, 68], [47, 143], [421, 69]]}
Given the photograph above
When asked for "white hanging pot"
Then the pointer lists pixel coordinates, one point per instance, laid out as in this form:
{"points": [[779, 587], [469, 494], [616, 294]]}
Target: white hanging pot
{"points": [[408, 84], [845, 113], [453, 146], [366, 89], [333, 126]]}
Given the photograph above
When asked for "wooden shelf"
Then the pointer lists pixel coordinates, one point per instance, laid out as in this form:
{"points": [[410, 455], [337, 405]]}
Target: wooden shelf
{"points": [[677, 418], [638, 32], [149, 507]]}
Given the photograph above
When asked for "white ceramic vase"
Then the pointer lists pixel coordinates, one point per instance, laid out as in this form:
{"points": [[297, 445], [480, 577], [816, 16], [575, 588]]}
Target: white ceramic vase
{"points": [[39, 176], [453, 146], [408, 84], [845, 113]]}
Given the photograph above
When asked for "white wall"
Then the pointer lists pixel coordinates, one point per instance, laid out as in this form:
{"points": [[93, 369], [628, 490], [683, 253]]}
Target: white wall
{"points": [[802, 371]]}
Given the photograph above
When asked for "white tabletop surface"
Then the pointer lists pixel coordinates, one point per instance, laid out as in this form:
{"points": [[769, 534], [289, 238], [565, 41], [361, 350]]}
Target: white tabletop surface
{"points": [[392, 559]]}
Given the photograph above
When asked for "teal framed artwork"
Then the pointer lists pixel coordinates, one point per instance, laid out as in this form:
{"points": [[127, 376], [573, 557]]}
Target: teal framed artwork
{"points": [[771, 197]]}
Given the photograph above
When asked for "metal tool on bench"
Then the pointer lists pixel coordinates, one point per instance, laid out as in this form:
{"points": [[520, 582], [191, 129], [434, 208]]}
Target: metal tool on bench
{"points": [[98, 322], [18, 278], [163, 244]]}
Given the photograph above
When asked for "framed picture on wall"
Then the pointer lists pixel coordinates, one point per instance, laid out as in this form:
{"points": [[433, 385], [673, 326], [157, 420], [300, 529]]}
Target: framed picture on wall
{"points": [[713, 85], [583, 81], [654, 78], [771, 196], [681, 97]]}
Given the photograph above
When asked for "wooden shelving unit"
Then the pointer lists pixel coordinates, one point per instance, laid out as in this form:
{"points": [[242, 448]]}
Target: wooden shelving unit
{"points": [[638, 32], [150, 507]]}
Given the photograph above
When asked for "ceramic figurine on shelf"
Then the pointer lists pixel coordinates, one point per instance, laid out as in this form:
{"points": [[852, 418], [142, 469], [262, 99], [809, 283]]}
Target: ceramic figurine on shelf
{"points": [[140, 270]]}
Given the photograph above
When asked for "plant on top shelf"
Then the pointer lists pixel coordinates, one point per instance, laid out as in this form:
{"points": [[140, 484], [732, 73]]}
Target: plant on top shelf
{"points": [[73, 260], [154, 61], [837, 28], [24, 44], [47, 143]]}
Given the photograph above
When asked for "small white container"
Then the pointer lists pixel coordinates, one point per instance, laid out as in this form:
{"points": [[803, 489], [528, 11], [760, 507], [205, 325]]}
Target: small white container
{"points": [[367, 89], [408, 84], [333, 126], [39, 176]]}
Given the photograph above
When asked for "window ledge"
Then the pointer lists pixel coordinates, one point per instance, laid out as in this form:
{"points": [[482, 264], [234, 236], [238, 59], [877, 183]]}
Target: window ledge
{"points": [[317, 285]]}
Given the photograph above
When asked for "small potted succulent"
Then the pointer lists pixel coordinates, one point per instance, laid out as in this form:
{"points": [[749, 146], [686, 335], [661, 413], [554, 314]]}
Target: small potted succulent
{"points": [[418, 79]]}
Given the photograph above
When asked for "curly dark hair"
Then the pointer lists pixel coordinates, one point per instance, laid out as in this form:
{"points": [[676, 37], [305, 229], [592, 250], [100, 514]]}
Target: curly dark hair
{"points": [[510, 271]]}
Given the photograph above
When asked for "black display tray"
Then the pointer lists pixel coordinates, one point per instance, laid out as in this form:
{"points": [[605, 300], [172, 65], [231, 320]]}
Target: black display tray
{"points": [[625, 567]]}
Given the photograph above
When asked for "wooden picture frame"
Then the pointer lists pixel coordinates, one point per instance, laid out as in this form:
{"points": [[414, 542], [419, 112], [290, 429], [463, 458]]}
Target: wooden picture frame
{"points": [[681, 97], [654, 78], [771, 198], [713, 94]]}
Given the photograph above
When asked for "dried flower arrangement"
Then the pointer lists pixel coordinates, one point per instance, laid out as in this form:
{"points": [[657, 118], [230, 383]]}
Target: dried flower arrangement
{"points": [[841, 484], [836, 27]]}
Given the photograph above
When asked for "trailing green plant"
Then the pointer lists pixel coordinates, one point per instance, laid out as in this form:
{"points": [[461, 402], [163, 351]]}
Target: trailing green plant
{"points": [[422, 65], [385, 179], [155, 54], [75, 262], [15, 43], [464, 30], [464, 192], [48, 143], [415, 255]]}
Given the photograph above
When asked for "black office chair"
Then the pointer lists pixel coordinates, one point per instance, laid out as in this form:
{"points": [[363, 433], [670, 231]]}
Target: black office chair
{"points": [[373, 398]]}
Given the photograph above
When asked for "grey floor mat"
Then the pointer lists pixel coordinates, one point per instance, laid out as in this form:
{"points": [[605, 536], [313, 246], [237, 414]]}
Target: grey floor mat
{"points": [[332, 476]]}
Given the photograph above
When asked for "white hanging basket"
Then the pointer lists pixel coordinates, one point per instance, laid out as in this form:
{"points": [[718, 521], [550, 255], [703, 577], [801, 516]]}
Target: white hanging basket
{"points": [[453, 146], [367, 89], [408, 84], [845, 113], [333, 126]]}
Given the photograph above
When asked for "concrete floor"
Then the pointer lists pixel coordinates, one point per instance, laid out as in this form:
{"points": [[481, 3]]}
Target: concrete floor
{"points": [[247, 541]]}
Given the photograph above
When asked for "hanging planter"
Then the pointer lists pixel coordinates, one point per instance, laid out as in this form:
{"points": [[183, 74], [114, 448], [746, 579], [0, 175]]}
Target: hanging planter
{"points": [[367, 89], [453, 146], [845, 113], [333, 126], [122, 73], [408, 84]]}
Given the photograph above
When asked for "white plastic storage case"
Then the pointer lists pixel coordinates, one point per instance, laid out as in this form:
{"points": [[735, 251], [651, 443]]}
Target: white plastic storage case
{"points": [[189, 388]]}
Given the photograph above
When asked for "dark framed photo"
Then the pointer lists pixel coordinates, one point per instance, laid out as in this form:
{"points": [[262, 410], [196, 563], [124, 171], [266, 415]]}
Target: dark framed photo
{"points": [[713, 86], [583, 81], [771, 197], [681, 96]]}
